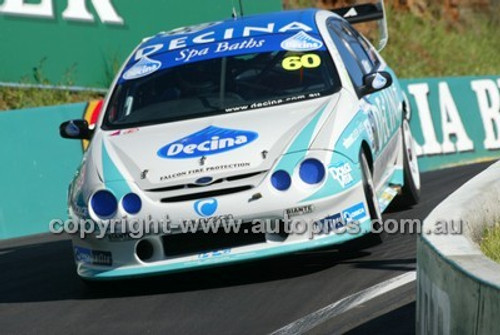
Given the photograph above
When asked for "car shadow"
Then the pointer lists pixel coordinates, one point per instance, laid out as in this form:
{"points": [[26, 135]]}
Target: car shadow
{"points": [[45, 272]]}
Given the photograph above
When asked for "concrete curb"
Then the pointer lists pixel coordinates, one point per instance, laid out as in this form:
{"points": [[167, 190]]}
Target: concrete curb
{"points": [[458, 288]]}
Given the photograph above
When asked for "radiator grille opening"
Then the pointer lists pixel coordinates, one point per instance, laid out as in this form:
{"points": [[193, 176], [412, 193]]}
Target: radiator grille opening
{"points": [[207, 194], [196, 243], [218, 181]]}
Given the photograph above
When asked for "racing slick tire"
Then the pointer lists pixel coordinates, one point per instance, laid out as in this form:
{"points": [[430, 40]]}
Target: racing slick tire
{"points": [[376, 235], [410, 192]]}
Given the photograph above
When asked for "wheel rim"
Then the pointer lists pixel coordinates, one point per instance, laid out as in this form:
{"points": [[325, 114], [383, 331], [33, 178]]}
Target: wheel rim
{"points": [[410, 152]]}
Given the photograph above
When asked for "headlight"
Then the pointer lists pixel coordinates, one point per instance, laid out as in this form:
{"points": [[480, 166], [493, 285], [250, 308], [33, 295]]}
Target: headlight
{"points": [[104, 203], [131, 203], [281, 180], [312, 171]]}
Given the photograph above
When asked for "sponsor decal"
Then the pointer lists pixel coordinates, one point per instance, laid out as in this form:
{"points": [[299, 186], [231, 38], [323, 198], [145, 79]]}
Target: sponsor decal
{"points": [[205, 169], [206, 207], [124, 132], [341, 172], [307, 61], [217, 219], [212, 254], [348, 141], [189, 54], [219, 41], [202, 35], [330, 224], [386, 197], [209, 141], [384, 115], [274, 102], [354, 214], [298, 211], [93, 257], [144, 67], [371, 129], [301, 42], [130, 131]]}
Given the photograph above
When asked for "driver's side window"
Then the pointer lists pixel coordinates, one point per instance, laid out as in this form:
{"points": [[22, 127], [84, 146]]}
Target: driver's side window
{"points": [[354, 56]]}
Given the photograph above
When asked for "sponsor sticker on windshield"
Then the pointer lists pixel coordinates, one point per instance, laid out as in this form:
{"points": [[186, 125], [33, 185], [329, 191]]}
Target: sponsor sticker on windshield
{"points": [[301, 42], [171, 51], [142, 68]]}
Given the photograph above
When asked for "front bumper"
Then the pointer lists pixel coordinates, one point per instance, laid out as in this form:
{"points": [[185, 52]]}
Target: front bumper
{"points": [[111, 258]]}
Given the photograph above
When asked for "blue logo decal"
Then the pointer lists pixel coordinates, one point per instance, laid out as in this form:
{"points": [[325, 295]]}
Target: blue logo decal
{"points": [[331, 223], [94, 257], [83, 255], [216, 253], [354, 213], [209, 141], [301, 42], [203, 181], [205, 207], [145, 66]]}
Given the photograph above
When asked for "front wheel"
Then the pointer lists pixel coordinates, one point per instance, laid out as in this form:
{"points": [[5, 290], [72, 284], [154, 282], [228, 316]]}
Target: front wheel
{"points": [[371, 199], [411, 189]]}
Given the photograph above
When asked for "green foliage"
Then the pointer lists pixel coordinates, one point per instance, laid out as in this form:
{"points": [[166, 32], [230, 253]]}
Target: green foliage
{"points": [[490, 244], [15, 98], [433, 48], [301, 3], [429, 46]]}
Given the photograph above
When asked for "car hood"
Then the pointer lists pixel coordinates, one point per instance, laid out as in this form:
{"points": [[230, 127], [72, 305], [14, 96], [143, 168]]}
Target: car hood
{"points": [[207, 149]]}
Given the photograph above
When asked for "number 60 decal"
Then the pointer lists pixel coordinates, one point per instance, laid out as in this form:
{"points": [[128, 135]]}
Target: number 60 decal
{"points": [[293, 63]]}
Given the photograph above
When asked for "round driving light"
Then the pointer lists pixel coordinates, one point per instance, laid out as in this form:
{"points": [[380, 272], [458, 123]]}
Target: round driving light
{"points": [[312, 171], [104, 203], [281, 180], [132, 203]]}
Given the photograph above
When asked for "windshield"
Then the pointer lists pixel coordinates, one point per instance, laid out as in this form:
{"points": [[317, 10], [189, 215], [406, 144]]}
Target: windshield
{"points": [[222, 85]]}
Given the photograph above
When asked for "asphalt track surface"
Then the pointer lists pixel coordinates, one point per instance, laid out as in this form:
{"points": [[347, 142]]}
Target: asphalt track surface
{"points": [[40, 293]]}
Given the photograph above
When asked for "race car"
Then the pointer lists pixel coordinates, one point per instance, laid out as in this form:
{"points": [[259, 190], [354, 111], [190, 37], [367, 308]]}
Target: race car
{"points": [[292, 119]]}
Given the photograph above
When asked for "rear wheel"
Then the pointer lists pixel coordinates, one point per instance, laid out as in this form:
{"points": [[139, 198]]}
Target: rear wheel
{"points": [[411, 189], [371, 200]]}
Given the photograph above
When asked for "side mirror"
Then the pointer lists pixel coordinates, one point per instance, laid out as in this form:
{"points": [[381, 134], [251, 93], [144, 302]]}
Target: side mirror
{"points": [[75, 129], [375, 82]]}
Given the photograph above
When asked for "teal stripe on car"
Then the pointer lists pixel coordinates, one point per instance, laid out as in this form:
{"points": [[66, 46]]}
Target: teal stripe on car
{"points": [[300, 143], [113, 179]]}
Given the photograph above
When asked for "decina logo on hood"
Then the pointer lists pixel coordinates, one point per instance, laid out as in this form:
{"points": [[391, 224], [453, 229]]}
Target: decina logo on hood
{"points": [[209, 141]]}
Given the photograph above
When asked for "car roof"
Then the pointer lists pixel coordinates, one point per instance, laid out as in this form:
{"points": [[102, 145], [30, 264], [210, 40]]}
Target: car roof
{"points": [[246, 26]]}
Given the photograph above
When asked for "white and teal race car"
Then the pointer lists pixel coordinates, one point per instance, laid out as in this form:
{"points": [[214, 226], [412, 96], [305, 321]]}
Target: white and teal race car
{"points": [[291, 119]]}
